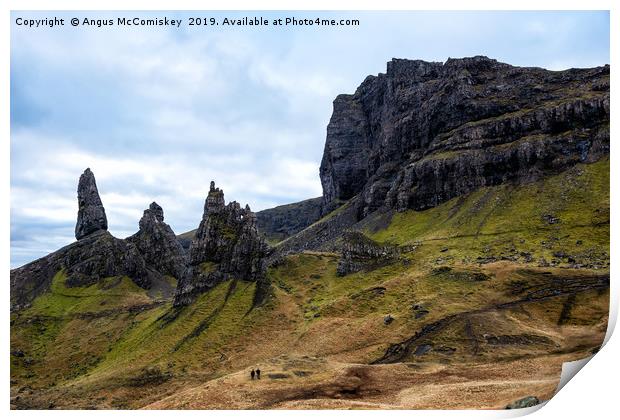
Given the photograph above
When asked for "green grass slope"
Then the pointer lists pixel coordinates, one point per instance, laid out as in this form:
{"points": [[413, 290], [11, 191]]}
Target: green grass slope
{"points": [[561, 220], [504, 273]]}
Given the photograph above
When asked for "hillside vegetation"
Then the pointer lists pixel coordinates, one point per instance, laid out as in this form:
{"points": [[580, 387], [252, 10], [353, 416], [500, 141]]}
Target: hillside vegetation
{"points": [[496, 290]]}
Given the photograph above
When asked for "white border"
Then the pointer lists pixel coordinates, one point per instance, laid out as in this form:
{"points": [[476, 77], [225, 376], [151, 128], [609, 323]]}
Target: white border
{"points": [[593, 394]]}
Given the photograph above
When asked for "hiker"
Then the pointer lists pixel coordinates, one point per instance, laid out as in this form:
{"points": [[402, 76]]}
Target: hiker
{"points": [[252, 374], [257, 373]]}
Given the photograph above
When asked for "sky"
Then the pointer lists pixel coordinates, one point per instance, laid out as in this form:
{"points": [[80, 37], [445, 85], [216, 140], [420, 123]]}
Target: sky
{"points": [[159, 112]]}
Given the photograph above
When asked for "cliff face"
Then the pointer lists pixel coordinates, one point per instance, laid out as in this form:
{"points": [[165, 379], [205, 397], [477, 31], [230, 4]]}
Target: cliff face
{"points": [[424, 132], [226, 245]]}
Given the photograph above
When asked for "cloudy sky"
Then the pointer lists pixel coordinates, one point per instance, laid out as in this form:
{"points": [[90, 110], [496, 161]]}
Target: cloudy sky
{"points": [[157, 113]]}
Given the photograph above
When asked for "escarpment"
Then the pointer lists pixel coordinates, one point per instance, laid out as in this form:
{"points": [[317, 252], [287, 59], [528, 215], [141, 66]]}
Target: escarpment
{"points": [[423, 133], [225, 246], [281, 222]]}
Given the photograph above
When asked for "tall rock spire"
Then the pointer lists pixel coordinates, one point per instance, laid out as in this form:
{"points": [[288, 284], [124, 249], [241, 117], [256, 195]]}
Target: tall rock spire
{"points": [[91, 214], [226, 246]]}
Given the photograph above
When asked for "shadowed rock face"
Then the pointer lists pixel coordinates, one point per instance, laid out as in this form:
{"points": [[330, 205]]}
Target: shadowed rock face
{"points": [[226, 245], [91, 214], [281, 222], [424, 133], [158, 244]]}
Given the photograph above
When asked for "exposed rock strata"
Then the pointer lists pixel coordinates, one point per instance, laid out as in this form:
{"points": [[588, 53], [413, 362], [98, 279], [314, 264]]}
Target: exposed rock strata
{"points": [[91, 214], [158, 244], [424, 133], [226, 245]]}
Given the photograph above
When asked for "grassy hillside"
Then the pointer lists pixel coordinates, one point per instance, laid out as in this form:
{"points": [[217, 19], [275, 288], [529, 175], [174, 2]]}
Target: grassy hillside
{"points": [[504, 285], [561, 220]]}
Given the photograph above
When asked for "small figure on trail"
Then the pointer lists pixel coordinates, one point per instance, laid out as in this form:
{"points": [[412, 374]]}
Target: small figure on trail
{"points": [[252, 374], [257, 373]]}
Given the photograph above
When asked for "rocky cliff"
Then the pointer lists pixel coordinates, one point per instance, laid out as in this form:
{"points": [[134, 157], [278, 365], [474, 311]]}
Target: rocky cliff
{"points": [[424, 132], [225, 246]]}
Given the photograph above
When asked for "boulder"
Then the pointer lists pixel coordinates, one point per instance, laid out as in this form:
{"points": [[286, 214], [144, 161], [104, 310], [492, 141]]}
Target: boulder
{"points": [[523, 403]]}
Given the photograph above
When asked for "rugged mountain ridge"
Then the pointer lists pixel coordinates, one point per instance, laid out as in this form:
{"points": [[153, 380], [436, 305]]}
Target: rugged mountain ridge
{"points": [[501, 284], [426, 132], [412, 138], [227, 238], [423, 132]]}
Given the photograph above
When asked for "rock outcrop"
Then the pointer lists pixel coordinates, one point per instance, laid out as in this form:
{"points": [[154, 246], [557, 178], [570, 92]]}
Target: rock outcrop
{"points": [[226, 245], [101, 255], [94, 256], [424, 133], [91, 214], [84, 262], [362, 253], [158, 244], [278, 223]]}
